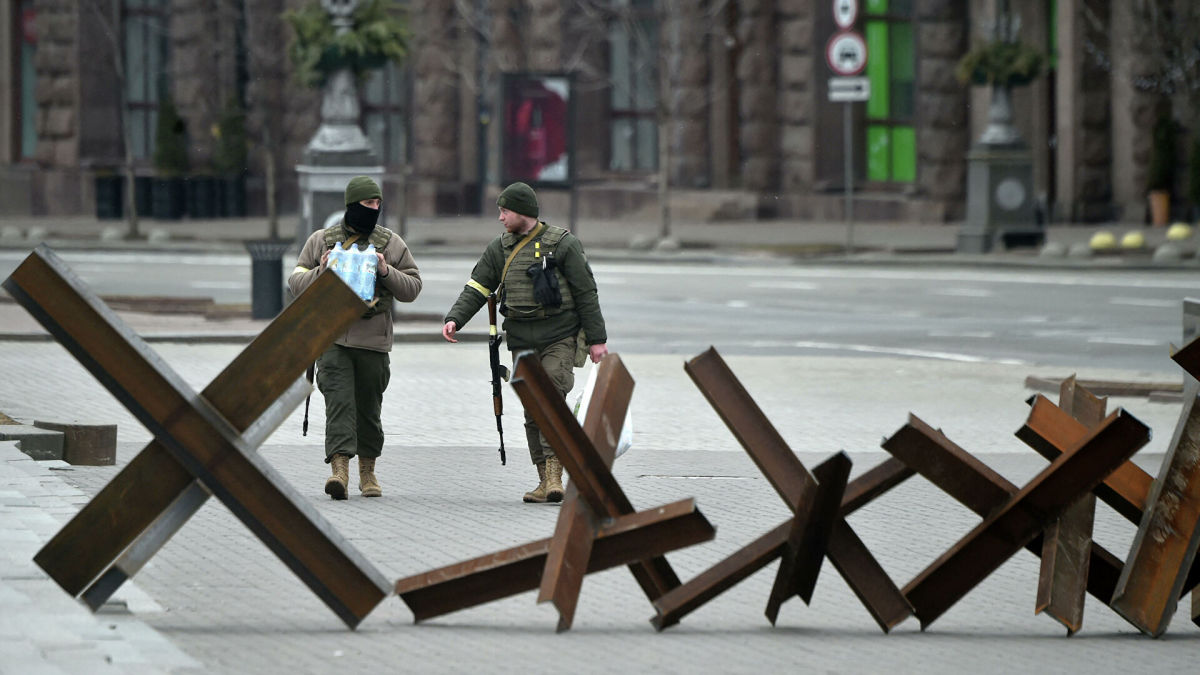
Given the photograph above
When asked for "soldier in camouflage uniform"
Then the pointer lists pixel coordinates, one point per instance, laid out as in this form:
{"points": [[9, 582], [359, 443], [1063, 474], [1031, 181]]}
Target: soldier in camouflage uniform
{"points": [[549, 302], [353, 373]]}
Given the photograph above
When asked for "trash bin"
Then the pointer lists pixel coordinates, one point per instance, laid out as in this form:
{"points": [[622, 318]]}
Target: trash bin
{"points": [[266, 276]]}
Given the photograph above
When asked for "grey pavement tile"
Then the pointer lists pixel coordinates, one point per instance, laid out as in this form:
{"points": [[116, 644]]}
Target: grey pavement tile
{"points": [[219, 601]]}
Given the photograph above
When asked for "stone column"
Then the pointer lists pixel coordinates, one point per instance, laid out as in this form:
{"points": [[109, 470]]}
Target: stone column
{"points": [[942, 136], [435, 120], [758, 127], [797, 94], [688, 102]]}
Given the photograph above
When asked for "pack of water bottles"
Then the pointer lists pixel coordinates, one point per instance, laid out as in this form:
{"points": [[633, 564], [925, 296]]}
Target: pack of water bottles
{"points": [[357, 268]]}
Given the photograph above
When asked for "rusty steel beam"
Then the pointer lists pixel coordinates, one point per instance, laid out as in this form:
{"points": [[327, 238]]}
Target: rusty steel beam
{"points": [[809, 537], [751, 427], [930, 453], [619, 541], [1188, 358], [171, 520], [575, 531], [1063, 577], [798, 488], [1049, 429], [1062, 580], [199, 437], [153, 480], [597, 487], [1164, 548], [1127, 489], [873, 587], [1023, 517]]}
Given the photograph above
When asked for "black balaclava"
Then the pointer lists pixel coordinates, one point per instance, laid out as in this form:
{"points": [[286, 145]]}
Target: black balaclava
{"points": [[361, 219]]}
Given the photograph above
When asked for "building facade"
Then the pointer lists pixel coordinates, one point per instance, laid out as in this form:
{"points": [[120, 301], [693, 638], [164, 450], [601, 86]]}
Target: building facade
{"points": [[728, 99]]}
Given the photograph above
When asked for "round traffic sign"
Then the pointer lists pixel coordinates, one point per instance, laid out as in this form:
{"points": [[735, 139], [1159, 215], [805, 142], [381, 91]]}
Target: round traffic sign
{"points": [[845, 12], [846, 53]]}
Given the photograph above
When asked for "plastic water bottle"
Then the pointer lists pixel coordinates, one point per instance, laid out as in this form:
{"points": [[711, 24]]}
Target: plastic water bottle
{"points": [[357, 268]]}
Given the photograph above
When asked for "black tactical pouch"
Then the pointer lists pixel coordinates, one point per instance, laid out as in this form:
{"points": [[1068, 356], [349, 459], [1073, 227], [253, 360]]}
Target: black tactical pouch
{"points": [[545, 283]]}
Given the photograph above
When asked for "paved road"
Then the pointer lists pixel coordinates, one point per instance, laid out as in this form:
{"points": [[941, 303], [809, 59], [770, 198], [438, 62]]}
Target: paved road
{"points": [[1066, 318], [215, 600]]}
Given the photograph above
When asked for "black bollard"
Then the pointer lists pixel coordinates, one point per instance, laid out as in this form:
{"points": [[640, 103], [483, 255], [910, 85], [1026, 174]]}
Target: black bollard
{"points": [[266, 276]]}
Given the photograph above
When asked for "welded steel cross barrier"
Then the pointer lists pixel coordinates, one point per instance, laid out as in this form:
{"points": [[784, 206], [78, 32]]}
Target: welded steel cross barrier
{"points": [[597, 528], [1161, 566], [204, 443], [819, 501], [1013, 521]]}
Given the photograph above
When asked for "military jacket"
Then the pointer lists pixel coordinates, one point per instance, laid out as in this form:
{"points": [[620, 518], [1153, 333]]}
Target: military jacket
{"points": [[403, 282], [527, 323]]}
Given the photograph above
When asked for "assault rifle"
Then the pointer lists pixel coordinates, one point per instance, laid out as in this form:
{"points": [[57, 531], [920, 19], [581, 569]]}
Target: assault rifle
{"points": [[499, 372]]}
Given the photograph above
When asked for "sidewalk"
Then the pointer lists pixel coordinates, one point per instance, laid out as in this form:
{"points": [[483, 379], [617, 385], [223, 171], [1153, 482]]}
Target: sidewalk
{"points": [[215, 599]]}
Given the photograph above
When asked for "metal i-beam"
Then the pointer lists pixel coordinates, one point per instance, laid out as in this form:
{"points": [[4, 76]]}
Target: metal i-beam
{"points": [[930, 453], [1022, 518], [1164, 549], [199, 438], [1062, 581]]}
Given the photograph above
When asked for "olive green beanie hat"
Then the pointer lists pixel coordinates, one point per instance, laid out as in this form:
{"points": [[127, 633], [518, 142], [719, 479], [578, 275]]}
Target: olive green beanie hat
{"points": [[519, 197], [360, 188]]}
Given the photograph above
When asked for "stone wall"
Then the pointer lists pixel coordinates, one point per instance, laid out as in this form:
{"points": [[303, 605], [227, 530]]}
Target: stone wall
{"points": [[686, 33], [797, 95], [436, 82], [56, 65], [758, 121], [942, 131]]}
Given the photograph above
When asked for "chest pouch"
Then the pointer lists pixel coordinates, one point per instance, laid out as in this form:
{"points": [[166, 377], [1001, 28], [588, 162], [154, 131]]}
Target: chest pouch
{"points": [[545, 282]]}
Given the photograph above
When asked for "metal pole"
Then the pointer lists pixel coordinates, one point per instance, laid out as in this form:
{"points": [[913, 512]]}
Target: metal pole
{"points": [[848, 161]]}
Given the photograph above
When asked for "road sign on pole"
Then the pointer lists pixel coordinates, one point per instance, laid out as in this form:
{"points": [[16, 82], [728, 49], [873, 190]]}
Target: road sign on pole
{"points": [[846, 53], [845, 13], [849, 89]]}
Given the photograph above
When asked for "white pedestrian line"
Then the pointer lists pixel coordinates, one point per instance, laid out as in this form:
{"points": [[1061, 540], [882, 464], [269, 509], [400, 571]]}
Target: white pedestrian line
{"points": [[1145, 302], [1133, 342]]}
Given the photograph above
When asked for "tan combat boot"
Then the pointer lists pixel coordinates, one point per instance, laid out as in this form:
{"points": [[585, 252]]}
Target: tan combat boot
{"points": [[335, 485], [366, 477], [538, 494], [554, 486]]}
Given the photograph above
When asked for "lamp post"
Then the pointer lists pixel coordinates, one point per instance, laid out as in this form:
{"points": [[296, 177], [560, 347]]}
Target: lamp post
{"points": [[338, 150], [1000, 209]]}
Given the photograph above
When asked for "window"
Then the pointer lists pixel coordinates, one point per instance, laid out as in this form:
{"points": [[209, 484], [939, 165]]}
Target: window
{"points": [[144, 31], [891, 67], [384, 114], [633, 130], [26, 81]]}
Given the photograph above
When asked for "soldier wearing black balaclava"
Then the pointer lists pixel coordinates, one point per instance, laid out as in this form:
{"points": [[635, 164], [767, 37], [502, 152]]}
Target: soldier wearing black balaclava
{"points": [[354, 372]]}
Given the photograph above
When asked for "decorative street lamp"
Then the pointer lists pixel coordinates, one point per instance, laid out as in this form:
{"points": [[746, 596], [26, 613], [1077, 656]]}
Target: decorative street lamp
{"points": [[1000, 167]]}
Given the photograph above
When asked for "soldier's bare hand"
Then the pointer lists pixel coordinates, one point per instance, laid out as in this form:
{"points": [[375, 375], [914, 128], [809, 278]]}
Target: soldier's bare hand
{"points": [[325, 259], [381, 265], [449, 330], [597, 352]]}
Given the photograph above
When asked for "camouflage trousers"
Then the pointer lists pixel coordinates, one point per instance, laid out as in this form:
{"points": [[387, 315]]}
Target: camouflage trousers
{"points": [[352, 382], [558, 358]]}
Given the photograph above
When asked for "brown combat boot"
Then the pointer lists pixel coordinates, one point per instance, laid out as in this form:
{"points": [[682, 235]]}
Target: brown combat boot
{"points": [[554, 486], [366, 477], [538, 494], [335, 485]]}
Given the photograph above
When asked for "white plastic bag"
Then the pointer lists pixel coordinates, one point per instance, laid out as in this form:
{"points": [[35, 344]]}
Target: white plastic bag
{"points": [[356, 268], [581, 407]]}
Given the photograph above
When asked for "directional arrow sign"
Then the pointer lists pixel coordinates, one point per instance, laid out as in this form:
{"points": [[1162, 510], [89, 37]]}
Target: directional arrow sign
{"points": [[848, 89]]}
